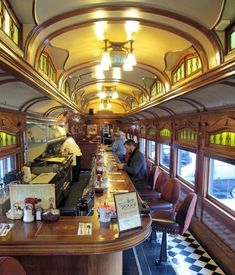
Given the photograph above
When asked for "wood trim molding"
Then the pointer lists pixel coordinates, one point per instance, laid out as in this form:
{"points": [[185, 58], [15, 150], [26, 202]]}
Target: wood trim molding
{"points": [[215, 75]]}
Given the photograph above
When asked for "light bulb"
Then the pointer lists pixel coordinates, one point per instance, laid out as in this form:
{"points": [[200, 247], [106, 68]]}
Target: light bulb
{"points": [[131, 59], [105, 61], [127, 67], [115, 95], [101, 95]]}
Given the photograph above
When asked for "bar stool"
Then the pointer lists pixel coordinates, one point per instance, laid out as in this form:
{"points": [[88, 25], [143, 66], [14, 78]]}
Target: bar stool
{"points": [[11, 266], [159, 183], [169, 222], [169, 196]]}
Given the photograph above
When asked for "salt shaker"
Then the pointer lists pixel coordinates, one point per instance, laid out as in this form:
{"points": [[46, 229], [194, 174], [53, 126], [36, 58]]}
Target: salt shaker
{"points": [[39, 214]]}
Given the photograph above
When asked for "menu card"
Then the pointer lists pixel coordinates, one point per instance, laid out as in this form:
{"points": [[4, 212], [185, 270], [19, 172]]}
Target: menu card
{"points": [[128, 213]]}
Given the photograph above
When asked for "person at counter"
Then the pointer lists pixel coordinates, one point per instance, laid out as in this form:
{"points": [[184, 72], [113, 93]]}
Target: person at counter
{"points": [[136, 165], [118, 146], [71, 147]]}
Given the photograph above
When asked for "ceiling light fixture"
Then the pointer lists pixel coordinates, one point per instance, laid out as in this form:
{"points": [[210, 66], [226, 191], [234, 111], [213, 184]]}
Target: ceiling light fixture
{"points": [[105, 104], [118, 55], [108, 92]]}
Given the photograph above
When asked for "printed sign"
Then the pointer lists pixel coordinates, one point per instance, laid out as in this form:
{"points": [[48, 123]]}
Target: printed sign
{"points": [[128, 213]]}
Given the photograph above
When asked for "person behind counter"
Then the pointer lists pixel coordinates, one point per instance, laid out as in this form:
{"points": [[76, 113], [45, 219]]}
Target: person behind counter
{"points": [[118, 146], [71, 147], [136, 165]]}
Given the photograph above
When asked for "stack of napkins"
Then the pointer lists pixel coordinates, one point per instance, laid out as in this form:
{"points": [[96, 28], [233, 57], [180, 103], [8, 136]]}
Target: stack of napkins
{"points": [[84, 228], [5, 228]]}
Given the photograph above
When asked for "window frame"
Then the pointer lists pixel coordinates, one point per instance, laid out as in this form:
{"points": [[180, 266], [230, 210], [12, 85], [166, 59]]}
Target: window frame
{"points": [[144, 140], [148, 155], [15, 163], [188, 183], [162, 166], [230, 29], [209, 197]]}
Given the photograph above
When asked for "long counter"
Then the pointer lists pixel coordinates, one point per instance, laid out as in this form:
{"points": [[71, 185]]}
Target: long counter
{"points": [[56, 248]]}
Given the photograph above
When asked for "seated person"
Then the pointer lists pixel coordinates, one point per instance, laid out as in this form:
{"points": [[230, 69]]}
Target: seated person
{"points": [[136, 165], [118, 146]]}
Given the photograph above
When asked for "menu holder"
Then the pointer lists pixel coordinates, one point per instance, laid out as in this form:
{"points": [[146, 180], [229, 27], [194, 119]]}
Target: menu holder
{"points": [[127, 208]]}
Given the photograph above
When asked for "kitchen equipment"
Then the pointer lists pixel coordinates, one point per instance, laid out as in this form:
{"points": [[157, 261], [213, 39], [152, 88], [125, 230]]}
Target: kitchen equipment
{"points": [[13, 176], [28, 213]]}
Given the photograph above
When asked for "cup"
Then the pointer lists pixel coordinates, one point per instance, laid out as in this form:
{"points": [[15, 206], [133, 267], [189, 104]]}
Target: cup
{"points": [[105, 215]]}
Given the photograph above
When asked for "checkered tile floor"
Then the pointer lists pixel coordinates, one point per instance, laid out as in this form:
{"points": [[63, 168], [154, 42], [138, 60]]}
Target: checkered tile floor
{"points": [[189, 258]]}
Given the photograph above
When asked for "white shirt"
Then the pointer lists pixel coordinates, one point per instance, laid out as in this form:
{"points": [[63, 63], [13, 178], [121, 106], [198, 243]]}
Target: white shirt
{"points": [[71, 146]]}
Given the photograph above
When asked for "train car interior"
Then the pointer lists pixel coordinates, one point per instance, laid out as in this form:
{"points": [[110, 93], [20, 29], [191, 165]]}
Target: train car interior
{"points": [[159, 72]]}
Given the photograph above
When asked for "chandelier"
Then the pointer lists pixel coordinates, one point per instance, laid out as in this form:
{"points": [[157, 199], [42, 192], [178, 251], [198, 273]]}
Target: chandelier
{"points": [[105, 104], [108, 92], [118, 55]]}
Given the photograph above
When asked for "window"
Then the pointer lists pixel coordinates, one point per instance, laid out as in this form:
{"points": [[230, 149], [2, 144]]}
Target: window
{"points": [[157, 89], [142, 145], [186, 165], [230, 37], [9, 23], [188, 65], [222, 182], [7, 164], [47, 67], [165, 152], [151, 149], [66, 88]]}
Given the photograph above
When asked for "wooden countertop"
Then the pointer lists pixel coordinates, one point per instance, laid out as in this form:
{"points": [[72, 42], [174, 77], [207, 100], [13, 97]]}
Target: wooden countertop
{"points": [[60, 238]]}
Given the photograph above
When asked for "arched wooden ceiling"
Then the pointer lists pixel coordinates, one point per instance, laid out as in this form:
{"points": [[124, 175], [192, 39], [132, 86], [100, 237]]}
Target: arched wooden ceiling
{"points": [[68, 30]]}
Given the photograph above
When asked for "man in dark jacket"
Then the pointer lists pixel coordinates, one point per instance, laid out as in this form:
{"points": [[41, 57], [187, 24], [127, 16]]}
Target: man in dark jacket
{"points": [[136, 165]]}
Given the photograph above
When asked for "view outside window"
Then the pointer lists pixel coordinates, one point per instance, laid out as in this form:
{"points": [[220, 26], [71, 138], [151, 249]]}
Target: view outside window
{"points": [[142, 145], [165, 152], [151, 149], [7, 164], [186, 165], [222, 182]]}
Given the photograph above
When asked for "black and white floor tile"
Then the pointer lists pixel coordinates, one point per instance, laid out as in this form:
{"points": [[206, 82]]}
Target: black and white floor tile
{"points": [[189, 258]]}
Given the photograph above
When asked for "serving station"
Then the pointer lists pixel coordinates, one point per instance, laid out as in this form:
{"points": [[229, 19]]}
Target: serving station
{"points": [[62, 247]]}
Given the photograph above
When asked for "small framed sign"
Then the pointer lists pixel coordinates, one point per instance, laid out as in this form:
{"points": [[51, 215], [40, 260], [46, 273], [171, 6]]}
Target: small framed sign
{"points": [[128, 213]]}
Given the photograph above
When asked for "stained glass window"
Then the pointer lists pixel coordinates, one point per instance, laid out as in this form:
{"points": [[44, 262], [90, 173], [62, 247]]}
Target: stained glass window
{"points": [[223, 138], [165, 133], [46, 66], [187, 135], [7, 139]]}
